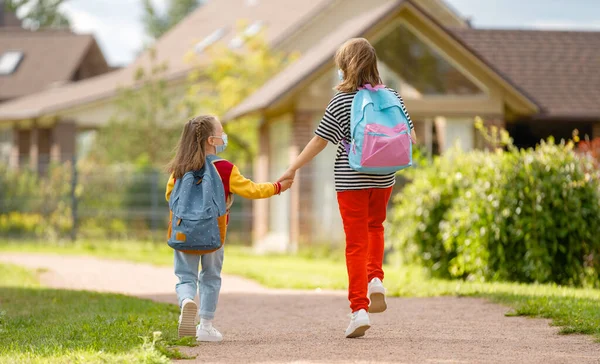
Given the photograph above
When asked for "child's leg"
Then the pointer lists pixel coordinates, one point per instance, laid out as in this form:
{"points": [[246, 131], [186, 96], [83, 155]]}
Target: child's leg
{"points": [[378, 202], [186, 269], [210, 283], [354, 210]]}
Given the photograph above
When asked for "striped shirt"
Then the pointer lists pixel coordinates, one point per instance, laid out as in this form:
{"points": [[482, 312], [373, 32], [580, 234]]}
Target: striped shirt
{"points": [[334, 127]]}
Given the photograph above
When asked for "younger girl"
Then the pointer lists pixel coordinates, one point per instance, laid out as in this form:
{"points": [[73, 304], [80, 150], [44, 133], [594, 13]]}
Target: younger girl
{"points": [[202, 136], [362, 198]]}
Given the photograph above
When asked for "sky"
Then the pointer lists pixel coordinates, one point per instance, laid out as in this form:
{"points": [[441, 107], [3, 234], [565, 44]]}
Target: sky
{"points": [[120, 33]]}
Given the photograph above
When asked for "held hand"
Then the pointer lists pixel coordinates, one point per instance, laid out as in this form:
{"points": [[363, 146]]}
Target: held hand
{"points": [[286, 184], [289, 174]]}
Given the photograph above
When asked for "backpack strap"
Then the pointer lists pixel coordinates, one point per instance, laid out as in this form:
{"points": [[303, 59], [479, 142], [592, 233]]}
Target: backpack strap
{"points": [[346, 146], [368, 86]]}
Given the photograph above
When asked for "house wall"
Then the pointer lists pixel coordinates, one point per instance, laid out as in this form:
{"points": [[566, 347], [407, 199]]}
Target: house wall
{"points": [[260, 222], [302, 134], [325, 23], [327, 228], [275, 217], [35, 147], [6, 142], [309, 210], [596, 130]]}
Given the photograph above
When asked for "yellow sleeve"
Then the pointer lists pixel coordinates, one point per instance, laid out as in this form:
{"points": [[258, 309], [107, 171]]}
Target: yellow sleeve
{"points": [[244, 187], [170, 186]]}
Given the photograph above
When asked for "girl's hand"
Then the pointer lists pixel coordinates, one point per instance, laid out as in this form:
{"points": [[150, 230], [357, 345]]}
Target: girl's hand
{"points": [[289, 174], [286, 184]]}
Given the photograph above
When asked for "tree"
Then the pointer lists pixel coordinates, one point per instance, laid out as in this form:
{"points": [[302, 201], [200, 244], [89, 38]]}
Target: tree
{"points": [[146, 124], [149, 116], [231, 76], [39, 14], [157, 25]]}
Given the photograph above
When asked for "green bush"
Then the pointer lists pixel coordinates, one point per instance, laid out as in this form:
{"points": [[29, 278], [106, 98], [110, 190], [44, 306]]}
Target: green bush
{"points": [[527, 216], [35, 206]]}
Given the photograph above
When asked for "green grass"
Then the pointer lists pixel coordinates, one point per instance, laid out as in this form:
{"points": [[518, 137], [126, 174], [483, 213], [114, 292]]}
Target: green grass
{"points": [[39, 325], [575, 310], [14, 276]]}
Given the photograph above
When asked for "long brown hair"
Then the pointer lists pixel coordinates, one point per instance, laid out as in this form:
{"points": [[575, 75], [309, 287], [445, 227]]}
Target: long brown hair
{"points": [[191, 148], [358, 61]]}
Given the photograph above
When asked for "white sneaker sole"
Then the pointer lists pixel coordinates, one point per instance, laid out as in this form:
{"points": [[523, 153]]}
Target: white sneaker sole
{"points": [[209, 339], [187, 326], [359, 331], [378, 303]]}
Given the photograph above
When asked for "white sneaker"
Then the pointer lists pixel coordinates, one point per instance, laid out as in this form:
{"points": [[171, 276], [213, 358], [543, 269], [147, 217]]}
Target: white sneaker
{"points": [[376, 294], [187, 318], [208, 334], [359, 323]]}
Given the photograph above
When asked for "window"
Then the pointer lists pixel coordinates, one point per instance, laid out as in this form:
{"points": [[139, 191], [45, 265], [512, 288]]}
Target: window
{"points": [[421, 66], [9, 61], [210, 40], [250, 31]]}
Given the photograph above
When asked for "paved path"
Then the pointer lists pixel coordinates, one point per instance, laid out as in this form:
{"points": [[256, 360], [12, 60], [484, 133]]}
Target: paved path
{"points": [[274, 326]]}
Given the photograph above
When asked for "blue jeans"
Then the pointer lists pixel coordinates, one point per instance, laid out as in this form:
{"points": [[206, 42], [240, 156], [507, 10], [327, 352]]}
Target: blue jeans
{"points": [[208, 282]]}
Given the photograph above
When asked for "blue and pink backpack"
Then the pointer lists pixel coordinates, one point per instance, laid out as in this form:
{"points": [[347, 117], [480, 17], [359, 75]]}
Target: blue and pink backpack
{"points": [[380, 131]]}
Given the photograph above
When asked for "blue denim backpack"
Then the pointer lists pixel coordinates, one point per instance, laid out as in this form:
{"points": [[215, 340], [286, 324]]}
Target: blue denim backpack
{"points": [[197, 201]]}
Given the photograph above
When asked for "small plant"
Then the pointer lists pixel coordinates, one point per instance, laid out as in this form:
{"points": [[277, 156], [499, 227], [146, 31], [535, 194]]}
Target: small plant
{"points": [[149, 353]]}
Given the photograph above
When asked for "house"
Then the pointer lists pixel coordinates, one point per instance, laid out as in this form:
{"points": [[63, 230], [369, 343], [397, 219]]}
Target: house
{"points": [[32, 63], [534, 83]]}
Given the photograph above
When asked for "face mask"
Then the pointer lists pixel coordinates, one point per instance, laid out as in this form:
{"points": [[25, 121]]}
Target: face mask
{"points": [[341, 75], [221, 148]]}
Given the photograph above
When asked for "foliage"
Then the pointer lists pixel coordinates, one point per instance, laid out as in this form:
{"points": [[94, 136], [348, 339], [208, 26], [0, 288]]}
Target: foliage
{"points": [[35, 205], [120, 182], [157, 25], [590, 148], [518, 215], [146, 125], [39, 14], [231, 75], [148, 121], [112, 202]]}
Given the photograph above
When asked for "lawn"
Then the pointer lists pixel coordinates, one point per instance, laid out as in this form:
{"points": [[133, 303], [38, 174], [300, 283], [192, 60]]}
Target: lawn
{"points": [[575, 310], [39, 325]]}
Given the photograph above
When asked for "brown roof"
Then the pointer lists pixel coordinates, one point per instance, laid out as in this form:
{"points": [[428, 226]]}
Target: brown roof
{"points": [[280, 18], [558, 70], [49, 57]]}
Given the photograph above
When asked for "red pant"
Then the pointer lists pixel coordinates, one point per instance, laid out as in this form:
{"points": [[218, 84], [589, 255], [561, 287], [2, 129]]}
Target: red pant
{"points": [[363, 213]]}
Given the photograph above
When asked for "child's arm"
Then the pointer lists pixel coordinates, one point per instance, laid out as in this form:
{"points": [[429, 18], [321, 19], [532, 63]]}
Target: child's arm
{"points": [[170, 186], [244, 187]]}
